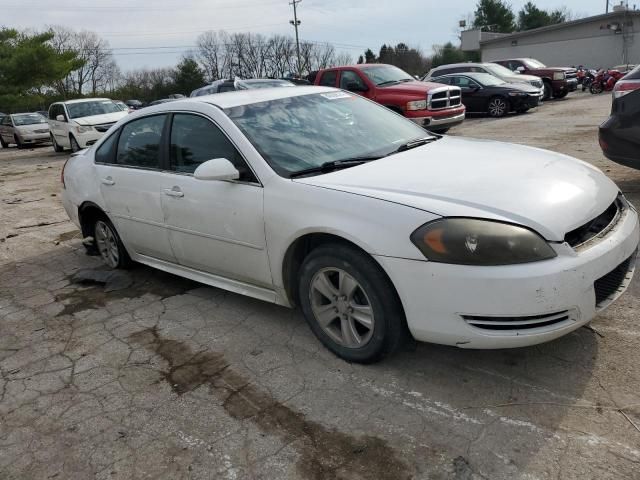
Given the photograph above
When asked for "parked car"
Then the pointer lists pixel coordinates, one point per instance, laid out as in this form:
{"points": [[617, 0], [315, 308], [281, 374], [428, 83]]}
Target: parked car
{"points": [[320, 198], [78, 124], [484, 93], [162, 100], [620, 133], [134, 104], [221, 86], [558, 81], [23, 129], [433, 106], [494, 69]]}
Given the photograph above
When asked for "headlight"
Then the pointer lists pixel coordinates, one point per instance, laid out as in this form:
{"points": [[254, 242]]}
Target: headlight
{"points": [[469, 241], [518, 94], [417, 105], [82, 129], [558, 75]]}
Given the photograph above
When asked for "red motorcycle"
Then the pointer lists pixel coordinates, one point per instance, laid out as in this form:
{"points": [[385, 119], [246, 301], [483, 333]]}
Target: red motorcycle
{"points": [[605, 81]]}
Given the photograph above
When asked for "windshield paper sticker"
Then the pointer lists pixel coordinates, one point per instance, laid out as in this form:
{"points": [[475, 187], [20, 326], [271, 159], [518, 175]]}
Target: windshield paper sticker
{"points": [[335, 95]]}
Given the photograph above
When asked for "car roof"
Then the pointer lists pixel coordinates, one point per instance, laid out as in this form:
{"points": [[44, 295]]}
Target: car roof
{"points": [[82, 100], [247, 97]]}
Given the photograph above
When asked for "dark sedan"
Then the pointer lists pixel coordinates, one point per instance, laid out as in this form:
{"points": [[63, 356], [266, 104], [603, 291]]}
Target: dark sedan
{"points": [[484, 93], [620, 133]]}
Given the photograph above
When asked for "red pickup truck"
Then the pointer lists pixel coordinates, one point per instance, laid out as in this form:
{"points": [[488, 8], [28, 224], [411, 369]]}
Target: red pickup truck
{"points": [[433, 106]]}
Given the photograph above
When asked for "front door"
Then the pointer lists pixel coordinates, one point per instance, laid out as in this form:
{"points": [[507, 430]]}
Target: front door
{"points": [[130, 175], [214, 226]]}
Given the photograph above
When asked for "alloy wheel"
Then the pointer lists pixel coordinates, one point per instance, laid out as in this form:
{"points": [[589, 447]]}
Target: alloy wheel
{"points": [[107, 243], [497, 107], [341, 307]]}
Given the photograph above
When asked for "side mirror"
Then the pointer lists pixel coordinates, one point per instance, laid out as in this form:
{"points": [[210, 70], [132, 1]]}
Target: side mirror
{"points": [[520, 69], [217, 169], [60, 118], [356, 87]]}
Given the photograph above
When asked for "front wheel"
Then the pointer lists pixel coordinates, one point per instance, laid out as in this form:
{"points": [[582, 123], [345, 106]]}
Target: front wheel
{"points": [[17, 141], [561, 94], [3, 143], [548, 91], [109, 246], [498, 107], [350, 304], [75, 146]]}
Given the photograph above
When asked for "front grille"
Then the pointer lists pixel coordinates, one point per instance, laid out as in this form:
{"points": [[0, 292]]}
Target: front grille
{"points": [[609, 287], [104, 127], [445, 97], [571, 74], [599, 226], [536, 83], [517, 323]]}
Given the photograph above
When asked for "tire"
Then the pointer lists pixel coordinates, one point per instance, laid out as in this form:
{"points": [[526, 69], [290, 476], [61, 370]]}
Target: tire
{"points": [[548, 92], [18, 143], [75, 146], [3, 143], [498, 107], [109, 245], [596, 88], [522, 110], [56, 148], [361, 287], [561, 95], [440, 131]]}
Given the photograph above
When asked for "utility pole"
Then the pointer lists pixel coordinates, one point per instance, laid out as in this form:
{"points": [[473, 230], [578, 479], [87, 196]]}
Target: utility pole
{"points": [[295, 22]]}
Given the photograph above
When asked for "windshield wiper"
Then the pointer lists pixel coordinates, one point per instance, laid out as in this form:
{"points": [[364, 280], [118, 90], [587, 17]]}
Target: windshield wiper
{"points": [[417, 142], [335, 165], [388, 82]]}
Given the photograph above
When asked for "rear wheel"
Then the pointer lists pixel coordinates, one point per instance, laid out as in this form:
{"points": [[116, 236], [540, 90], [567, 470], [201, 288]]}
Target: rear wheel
{"points": [[56, 147], [75, 146], [109, 246], [350, 304], [498, 107]]}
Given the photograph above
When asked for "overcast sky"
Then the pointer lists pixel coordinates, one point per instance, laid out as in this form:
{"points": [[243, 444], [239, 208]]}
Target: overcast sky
{"points": [[352, 25]]}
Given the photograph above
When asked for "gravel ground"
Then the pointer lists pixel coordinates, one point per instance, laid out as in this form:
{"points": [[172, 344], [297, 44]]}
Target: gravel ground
{"points": [[145, 375]]}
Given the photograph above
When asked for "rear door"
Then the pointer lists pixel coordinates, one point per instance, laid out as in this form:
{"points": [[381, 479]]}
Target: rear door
{"points": [[129, 166], [214, 226], [5, 129]]}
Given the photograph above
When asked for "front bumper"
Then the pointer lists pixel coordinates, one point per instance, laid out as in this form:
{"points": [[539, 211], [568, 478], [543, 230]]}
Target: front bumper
{"points": [[443, 121], [439, 299], [88, 138], [35, 137]]}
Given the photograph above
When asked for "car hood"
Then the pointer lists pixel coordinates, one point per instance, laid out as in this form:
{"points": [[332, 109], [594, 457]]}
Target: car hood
{"points": [[548, 192], [414, 87], [522, 78], [100, 119]]}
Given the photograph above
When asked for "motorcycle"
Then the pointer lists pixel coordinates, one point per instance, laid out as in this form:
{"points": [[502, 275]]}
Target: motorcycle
{"points": [[605, 80], [587, 79]]}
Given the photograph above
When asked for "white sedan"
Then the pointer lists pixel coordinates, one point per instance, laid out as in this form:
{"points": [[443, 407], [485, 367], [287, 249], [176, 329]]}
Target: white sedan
{"points": [[376, 228]]}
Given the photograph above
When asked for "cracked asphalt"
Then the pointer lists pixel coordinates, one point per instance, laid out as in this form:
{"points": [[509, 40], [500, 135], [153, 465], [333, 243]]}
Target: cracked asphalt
{"points": [[143, 374]]}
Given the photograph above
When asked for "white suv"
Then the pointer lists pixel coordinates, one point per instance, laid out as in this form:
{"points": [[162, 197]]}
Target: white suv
{"points": [[78, 124]]}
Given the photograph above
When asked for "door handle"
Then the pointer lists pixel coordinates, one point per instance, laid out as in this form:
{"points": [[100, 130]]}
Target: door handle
{"points": [[108, 181], [174, 192]]}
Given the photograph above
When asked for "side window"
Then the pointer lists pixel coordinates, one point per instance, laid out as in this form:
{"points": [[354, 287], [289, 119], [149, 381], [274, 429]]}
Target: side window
{"points": [[139, 144], [194, 140], [349, 77], [226, 87], [445, 80], [513, 65], [6, 121], [106, 151], [329, 78]]}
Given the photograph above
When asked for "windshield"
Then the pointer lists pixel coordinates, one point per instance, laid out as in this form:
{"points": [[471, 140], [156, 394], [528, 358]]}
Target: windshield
{"points": [[28, 119], [531, 63], [302, 132], [498, 70], [386, 75], [87, 109], [487, 80]]}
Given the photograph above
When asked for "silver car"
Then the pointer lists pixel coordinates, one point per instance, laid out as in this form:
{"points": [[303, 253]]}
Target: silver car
{"points": [[24, 129], [494, 69]]}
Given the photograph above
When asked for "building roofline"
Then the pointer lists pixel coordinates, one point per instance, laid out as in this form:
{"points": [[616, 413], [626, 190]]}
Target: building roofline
{"points": [[558, 26]]}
